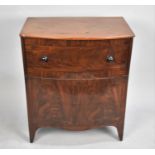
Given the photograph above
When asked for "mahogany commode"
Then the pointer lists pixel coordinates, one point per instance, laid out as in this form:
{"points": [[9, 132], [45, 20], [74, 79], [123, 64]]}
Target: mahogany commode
{"points": [[76, 72]]}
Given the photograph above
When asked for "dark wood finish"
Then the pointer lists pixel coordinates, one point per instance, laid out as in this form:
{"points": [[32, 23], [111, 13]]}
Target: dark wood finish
{"points": [[77, 104], [70, 83], [78, 58]]}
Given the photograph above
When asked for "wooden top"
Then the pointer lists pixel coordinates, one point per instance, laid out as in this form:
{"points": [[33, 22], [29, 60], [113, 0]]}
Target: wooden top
{"points": [[76, 28]]}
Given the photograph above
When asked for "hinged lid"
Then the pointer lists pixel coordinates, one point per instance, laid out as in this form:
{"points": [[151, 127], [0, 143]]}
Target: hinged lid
{"points": [[76, 28]]}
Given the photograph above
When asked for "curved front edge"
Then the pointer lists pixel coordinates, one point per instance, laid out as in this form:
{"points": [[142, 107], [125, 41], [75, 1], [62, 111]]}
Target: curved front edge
{"points": [[76, 104]]}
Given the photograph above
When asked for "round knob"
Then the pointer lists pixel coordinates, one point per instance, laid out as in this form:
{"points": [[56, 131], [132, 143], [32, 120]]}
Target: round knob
{"points": [[110, 58], [44, 58]]}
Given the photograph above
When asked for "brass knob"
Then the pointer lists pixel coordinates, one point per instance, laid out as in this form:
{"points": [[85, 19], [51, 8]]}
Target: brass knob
{"points": [[44, 58], [110, 58]]}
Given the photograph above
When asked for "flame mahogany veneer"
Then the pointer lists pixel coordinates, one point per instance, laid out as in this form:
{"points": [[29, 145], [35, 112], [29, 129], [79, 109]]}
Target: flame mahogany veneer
{"points": [[76, 72]]}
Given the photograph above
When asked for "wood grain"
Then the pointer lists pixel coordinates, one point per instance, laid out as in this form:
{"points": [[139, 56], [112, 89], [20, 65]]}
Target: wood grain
{"points": [[77, 88], [76, 104], [65, 56], [77, 28]]}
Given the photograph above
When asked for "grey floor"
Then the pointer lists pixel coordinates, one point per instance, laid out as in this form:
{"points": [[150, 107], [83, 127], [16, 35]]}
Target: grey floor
{"points": [[139, 125]]}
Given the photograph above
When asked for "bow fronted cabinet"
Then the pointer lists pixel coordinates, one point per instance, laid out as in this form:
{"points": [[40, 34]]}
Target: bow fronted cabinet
{"points": [[76, 72]]}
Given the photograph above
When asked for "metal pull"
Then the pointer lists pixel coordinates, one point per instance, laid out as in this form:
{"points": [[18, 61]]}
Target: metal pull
{"points": [[110, 58], [44, 58]]}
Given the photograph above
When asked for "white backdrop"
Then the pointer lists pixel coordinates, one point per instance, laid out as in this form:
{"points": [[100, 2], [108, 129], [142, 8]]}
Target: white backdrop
{"points": [[140, 113]]}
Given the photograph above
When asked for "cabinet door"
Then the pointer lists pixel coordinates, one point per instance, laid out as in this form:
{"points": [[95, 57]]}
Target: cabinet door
{"points": [[76, 104]]}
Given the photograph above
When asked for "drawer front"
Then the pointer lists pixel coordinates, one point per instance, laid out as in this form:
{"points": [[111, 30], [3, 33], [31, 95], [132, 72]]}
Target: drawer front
{"points": [[45, 56]]}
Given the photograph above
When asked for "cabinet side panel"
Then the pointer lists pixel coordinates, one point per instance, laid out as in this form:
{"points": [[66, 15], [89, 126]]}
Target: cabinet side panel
{"points": [[31, 108]]}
